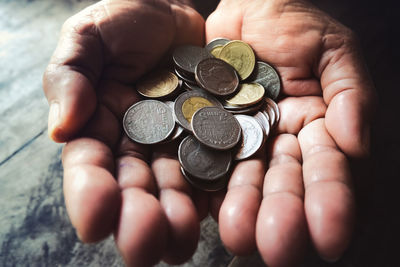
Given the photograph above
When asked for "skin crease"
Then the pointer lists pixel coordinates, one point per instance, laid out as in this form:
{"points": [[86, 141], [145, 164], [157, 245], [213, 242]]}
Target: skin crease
{"points": [[113, 185], [326, 106]]}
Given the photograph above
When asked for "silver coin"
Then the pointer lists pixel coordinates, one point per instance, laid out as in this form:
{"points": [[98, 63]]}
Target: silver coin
{"points": [[185, 77], [216, 42], [252, 137], [271, 113], [275, 107], [216, 128], [192, 100], [148, 122], [268, 77], [216, 76], [216, 185], [201, 161], [178, 130], [190, 86], [246, 110], [186, 57], [264, 122]]}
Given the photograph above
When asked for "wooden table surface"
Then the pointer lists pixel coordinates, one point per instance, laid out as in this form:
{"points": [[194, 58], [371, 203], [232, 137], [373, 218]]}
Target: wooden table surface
{"points": [[34, 227]]}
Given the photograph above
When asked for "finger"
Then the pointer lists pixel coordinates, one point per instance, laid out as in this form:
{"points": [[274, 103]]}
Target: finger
{"points": [[238, 213], [175, 199], [281, 224], [142, 231], [297, 112], [215, 201], [69, 79], [110, 39], [92, 195], [349, 93], [329, 201]]}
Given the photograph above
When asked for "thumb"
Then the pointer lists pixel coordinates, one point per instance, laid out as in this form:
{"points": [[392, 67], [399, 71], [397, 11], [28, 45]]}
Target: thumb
{"points": [[69, 80], [349, 93]]}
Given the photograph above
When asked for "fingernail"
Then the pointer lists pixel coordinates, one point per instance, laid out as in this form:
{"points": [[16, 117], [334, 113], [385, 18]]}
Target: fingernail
{"points": [[54, 118]]}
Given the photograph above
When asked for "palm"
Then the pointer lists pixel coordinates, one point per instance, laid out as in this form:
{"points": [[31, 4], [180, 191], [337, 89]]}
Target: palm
{"points": [[326, 94], [112, 185]]}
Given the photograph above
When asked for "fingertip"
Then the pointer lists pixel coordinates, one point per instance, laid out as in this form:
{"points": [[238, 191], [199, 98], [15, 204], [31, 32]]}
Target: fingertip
{"points": [[92, 199], [142, 232], [184, 226]]}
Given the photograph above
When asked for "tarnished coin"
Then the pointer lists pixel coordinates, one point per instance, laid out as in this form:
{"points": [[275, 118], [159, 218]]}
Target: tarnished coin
{"points": [[252, 136], [187, 57], [268, 77], [193, 87], [217, 42], [187, 103], [244, 110], [264, 122], [185, 77], [213, 186], [240, 56], [216, 128], [248, 94], [216, 76], [177, 130], [275, 107], [158, 84], [201, 161], [148, 122], [271, 114]]}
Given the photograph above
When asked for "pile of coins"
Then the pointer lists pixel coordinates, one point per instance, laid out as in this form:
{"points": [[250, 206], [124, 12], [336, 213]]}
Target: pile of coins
{"points": [[220, 97]]}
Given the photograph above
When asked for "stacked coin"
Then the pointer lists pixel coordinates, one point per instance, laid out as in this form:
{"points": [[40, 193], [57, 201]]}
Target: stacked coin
{"points": [[220, 97]]}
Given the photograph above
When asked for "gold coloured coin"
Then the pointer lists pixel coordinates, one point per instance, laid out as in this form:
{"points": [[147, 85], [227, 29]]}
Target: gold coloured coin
{"points": [[158, 84], [216, 50], [248, 94], [240, 56], [192, 104]]}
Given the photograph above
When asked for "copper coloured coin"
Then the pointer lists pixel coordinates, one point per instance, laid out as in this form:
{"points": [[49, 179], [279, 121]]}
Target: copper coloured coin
{"points": [[216, 128], [217, 77], [204, 185], [186, 57], [201, 161]]}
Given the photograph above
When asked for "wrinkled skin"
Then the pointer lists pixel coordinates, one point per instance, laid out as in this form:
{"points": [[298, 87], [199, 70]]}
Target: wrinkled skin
{"points": [[296, 190]]}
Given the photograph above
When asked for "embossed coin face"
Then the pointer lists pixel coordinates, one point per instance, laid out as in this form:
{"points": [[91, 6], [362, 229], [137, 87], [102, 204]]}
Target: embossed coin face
{"points": [[216, 50], [201, 184], [240, 56], [267, 76], [187, 57], [158, 84], [252, 137], [187, 103], [217, 42], [248, 94], [202, 161], [216, 76], [216, 128], [148, 122]]}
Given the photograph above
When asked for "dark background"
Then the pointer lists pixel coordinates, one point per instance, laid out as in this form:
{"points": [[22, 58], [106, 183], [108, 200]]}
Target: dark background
{"points": [[34, 228]]}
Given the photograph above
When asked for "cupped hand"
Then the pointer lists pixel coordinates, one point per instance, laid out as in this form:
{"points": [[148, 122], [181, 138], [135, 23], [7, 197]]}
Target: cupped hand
{"points": [[112, 185], [326, 101]]}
